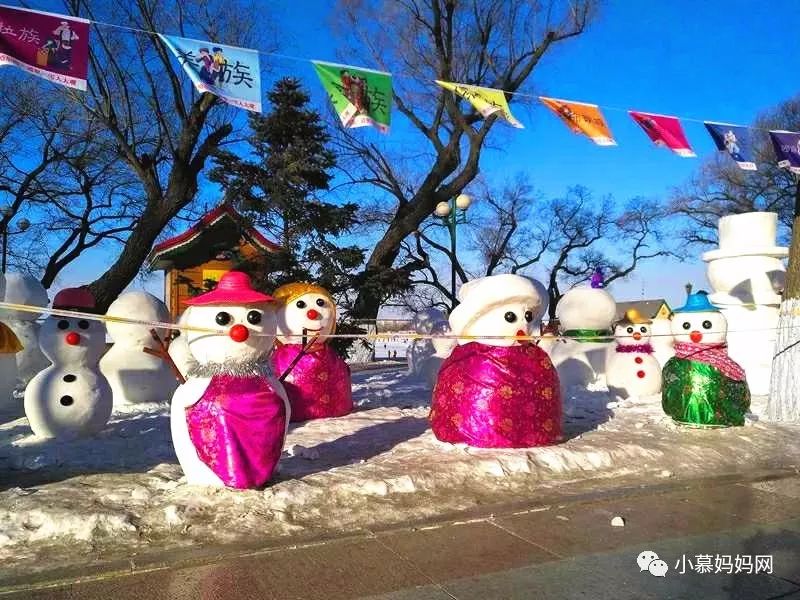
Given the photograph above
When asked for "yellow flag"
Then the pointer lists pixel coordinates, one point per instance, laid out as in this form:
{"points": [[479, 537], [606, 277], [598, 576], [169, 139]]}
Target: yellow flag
{"points": [[486, 101], [582, 118]]}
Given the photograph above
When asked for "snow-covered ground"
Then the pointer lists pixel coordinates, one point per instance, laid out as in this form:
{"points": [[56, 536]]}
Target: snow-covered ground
{"points": [[121, 493]]}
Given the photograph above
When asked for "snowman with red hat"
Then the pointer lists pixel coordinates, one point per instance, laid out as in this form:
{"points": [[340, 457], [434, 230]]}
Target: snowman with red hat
{"points": [[229, 419], [70, 398]]}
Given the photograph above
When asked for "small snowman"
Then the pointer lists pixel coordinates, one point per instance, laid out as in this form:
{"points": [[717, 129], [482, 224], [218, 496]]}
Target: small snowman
{"points": [[703, 386], [632, 368], [318, 384], [71, 397], [9, 346], [496, 391], [419, 350], [229, 420], [134, 375], [26, 289]]}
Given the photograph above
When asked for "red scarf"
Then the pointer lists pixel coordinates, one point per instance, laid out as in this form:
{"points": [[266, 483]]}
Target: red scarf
{"points": [[640, 348], [715, 355]]}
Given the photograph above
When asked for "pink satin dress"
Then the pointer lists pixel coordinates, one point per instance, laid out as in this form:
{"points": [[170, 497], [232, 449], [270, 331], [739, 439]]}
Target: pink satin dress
{"points": [[497, 397], [238, 428], [319, 384]]}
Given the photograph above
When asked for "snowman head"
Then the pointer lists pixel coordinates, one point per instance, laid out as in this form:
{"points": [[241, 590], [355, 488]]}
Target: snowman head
{"points": [[633, 329], [304, 308], [69, 340], [139, 305], [498, 305], [244, 317], [23, 289], [699, 322], [586, 308]]}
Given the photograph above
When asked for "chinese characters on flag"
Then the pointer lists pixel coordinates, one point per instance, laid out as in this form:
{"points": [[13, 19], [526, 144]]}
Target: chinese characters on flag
{"points": [[361, 97], [582, 118], [486, 101]]}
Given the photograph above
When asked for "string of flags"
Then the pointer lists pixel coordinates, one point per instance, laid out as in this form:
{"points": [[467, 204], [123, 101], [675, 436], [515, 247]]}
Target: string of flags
{"points": [[56, 48]]}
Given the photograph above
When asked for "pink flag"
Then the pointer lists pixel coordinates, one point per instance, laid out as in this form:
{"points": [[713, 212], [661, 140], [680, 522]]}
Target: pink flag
{"points": [[664, 131]]}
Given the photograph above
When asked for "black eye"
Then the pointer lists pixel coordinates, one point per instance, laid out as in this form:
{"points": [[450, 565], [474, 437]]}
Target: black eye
{"points": [[254, 317], [706, 324], [643, 329], [300, 304], [687, 326], [529, 316], [510, 317], [320, 302], [629, 330], [83, 324], [223, 318], [62, 324], [66, 400]]}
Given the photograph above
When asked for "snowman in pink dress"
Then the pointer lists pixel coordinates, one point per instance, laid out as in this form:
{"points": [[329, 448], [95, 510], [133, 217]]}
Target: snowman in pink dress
{"points": [[229, 420]]}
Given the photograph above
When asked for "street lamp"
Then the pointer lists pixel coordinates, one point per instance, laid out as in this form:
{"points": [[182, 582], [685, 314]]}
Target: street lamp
{"points": [[452, 213], [22, 225]]}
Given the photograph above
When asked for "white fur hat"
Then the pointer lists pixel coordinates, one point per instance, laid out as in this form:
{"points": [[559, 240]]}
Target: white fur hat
{"points": [[480, 295]]}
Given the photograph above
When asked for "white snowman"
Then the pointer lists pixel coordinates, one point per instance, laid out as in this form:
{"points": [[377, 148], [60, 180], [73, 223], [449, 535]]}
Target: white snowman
{"points": [[134, 375], [71, 397], [632, 369], [229, 420], [9, 344], [179, 348], [26, 289]]}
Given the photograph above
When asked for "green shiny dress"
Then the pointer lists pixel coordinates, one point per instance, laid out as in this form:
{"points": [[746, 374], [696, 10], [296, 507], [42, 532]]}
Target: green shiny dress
{"points": [[698, 394]]}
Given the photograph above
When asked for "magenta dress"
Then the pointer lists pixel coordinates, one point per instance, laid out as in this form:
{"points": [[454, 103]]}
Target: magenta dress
{"points": [[238, 427], [319, 384], [497, 397]]}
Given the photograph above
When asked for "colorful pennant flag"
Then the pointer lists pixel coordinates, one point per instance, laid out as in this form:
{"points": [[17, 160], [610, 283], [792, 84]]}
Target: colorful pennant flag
{"points": [[52, 46], [233, 74], [736, 141], [664, 131], [787, 148], [582, 118], [486, 101], [361, 97]]}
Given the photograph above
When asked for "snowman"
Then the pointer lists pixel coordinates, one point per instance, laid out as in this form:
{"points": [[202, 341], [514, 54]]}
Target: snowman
{"points": [[496, 391], [9, 346], [424, 322], [26, 289], [71, 397], [632, 368], [134, 375], [229, 420], [179, 349], [318, 384], [703, 386]]}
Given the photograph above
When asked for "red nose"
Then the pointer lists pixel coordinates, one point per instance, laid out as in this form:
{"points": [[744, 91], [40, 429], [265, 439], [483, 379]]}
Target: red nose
{"points": [[239, 333], [637, 336], [313, 315], [696, 337], [72, 338]]}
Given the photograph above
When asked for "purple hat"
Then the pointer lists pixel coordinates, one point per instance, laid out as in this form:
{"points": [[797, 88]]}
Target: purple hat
{"points": [[233, 288]]}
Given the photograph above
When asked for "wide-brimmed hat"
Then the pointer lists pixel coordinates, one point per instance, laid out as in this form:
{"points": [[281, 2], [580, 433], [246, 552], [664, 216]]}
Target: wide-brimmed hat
{"points": [[634, 317], [234, 287], [77, 298]]}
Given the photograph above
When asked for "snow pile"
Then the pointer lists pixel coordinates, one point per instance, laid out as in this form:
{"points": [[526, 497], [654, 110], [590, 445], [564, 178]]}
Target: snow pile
{"points": [[121, 492]]}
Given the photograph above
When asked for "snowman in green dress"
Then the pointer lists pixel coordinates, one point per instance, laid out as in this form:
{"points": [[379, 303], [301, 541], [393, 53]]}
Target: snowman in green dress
{"points": [[702, 386]]}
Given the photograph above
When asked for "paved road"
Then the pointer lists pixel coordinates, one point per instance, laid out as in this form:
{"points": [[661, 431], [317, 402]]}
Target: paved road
{"points": [[565, 551]]}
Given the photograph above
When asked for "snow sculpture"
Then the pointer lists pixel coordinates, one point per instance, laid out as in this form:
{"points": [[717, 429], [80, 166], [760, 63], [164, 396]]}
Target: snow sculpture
{"points": [[9, 346], [425, 356], [179, 349], [747, 275], [71, 397], [497, 392], [134, 375], [632, 368], [318, 384], [26, 289], [585, 315], [229, 419], [702, 385]]}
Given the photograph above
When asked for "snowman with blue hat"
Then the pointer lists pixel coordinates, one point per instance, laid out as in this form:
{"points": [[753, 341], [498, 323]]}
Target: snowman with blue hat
{"points": [[702, 385]]}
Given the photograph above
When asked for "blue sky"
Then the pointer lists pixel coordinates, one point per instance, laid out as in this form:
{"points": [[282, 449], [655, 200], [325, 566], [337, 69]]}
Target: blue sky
{"points": [[715, 60]]}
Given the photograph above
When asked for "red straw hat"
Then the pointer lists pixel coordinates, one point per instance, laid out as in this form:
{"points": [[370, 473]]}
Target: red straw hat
{"points": [[233, 288], [79, 298]]}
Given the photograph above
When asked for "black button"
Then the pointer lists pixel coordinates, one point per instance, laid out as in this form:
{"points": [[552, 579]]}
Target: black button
{"points": [[66, 401], [69, 378]]}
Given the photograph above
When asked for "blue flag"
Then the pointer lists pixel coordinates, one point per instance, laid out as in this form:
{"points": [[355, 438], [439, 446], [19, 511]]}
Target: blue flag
{"points": [[787, 149], [736, 141], [229, 72]]}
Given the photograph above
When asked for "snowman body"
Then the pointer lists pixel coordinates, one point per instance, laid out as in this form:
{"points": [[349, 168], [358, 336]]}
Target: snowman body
{"points": [[25, 289], [632, 369], [179, 349], [135, 376], [70, 398]]}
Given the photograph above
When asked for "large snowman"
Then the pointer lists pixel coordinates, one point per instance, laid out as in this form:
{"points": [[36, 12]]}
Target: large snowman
{"points": [[71, 397], [632, 369], [229, 420], [495, 391], [703, 386], [26, 289], [9, 346], [134, 375], [318, 384]]}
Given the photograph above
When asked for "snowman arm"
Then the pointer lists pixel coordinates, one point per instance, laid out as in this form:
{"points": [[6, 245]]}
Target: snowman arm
{"points": [[190, 392]]}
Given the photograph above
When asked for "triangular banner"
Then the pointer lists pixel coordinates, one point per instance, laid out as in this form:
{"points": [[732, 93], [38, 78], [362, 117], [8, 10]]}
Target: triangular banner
{"points": [[582, 118], [736, 141], [486, 101], [664, 131], [787, 148], [361, 97]]}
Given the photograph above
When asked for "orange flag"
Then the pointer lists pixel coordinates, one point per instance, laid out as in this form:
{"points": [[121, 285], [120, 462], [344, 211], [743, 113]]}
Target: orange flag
{"points": [[582, 118]]}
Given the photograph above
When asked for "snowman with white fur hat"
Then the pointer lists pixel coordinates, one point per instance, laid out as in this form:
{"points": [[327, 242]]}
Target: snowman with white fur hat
{"points": [[25, 289]]}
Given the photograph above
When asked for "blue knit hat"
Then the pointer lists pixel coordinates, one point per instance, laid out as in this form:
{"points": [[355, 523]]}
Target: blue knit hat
{"points": [[697, 302]]}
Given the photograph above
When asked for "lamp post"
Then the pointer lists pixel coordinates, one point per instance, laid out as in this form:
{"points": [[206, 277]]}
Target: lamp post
{"points": [[452, 213], [22, 225]]}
